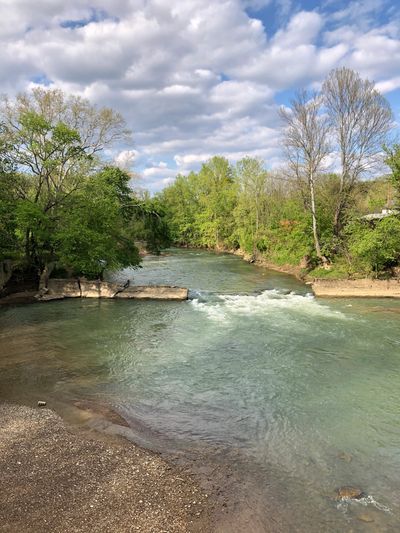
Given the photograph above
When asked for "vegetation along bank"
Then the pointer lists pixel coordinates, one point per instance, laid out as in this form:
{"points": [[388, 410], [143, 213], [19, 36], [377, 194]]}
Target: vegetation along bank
{"points": [[66, 211]]}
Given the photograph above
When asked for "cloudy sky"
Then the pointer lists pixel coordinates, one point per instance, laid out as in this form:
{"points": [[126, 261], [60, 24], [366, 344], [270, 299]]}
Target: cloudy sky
{"points": [[195, 78]]}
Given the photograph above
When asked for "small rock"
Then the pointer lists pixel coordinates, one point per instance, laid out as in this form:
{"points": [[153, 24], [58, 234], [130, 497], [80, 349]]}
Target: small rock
{"points": [[348, 492], [344, 456], [41, 403], [365, 517]]}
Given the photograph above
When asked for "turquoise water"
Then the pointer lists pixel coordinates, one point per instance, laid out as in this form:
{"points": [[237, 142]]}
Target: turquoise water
{"points": [[303, 392]]}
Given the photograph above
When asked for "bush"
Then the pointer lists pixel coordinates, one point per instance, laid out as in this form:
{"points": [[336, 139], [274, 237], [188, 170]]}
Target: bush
{"points": [[375, 248]]}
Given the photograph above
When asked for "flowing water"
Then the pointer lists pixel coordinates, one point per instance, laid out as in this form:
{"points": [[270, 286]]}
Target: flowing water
{"points": [[305, 393]]}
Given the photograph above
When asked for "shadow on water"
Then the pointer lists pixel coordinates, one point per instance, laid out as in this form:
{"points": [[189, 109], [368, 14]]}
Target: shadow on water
{"points": [[266, 391]]}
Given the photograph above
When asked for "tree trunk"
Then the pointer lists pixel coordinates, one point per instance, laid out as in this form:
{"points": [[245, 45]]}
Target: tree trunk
{"points": [[45, 275], [317, 245]]}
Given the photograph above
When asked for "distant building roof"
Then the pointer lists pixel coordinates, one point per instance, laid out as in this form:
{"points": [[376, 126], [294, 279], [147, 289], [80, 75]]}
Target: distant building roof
{"points": [[378, 216]]}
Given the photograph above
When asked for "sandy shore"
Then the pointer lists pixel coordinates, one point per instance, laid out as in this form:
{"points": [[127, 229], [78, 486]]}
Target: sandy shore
{"points": [[56, 480]]}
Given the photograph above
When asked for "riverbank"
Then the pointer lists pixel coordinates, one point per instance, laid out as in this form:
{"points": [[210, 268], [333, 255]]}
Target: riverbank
{"points": [[335, 288], [54, 479], [257, 259]]}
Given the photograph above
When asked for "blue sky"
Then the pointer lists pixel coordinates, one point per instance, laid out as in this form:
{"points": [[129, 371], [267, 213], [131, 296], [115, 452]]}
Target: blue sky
{"points": [[196, 78]]}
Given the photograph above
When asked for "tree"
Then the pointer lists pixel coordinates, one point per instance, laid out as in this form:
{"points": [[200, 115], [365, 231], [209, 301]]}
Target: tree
{"points": [[375, 247], [393, 162], [10, 184], [217, 198], [180, 204], [252, 179], [306, 142], [53, 142], [360, 118], [92, 231]]}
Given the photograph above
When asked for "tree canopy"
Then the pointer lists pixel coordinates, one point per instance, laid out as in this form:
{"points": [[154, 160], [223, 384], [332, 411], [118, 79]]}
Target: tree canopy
{"points": [[61, 204]]}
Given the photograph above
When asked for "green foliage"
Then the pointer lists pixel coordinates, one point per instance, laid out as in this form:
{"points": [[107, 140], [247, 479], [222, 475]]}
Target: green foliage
{"points": [[341, 268], [56, 207], [375, 247], [91, 235], [290, 242], [248, 208], [216, 200], [252, 205], [180, 204], [149, 225], [393, 161], [199, 207]]}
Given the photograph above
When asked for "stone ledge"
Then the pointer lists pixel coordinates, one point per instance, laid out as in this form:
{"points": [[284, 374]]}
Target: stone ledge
{"points": [[154, 292], [357, 288], [73, 288]]}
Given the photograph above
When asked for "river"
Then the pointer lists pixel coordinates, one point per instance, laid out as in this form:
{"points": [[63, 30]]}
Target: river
{"points": [[303, 393]]}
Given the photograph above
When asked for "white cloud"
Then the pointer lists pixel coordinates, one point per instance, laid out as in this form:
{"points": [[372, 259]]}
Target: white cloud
{"points": [[126, 158], [387, 86], [192, 78]]}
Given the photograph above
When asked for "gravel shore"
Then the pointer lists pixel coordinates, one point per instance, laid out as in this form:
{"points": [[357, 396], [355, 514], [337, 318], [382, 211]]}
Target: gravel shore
{"points": [[53, 479]]}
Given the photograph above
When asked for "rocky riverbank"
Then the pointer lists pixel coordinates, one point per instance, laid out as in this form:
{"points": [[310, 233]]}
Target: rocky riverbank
{"points": [[55, 480], [340, 288], [259, 260]]}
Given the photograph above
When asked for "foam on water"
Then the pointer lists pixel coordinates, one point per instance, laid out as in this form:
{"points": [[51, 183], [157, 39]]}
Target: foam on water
{"points": [[344, 504], [268, 302]]}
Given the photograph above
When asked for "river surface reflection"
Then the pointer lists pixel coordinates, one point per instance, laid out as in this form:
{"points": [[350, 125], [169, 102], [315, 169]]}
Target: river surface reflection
{"points": [[305, 392]]}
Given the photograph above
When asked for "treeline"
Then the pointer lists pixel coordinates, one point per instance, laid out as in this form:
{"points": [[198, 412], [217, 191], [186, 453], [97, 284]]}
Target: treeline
{"points": [[64, 210], [61, 206], [304, 214]]}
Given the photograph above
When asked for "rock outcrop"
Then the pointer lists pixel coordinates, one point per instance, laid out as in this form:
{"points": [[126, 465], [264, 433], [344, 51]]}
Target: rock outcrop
{"points": [[154, 292], [349, 493], [6, 270], [98, 289], [58, 289], [63, 288]]}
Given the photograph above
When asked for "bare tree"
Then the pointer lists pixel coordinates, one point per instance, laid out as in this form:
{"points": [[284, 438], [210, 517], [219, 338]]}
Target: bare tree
{"points": [[360, 118], [306, 143]]}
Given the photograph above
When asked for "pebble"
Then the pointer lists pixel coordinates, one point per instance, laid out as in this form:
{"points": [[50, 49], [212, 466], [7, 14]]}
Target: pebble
{"points": [[365, 517], [347, 457], [348, 492]]}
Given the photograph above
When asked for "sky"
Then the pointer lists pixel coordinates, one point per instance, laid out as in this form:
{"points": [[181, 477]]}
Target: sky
{"points": [[196, 78]]}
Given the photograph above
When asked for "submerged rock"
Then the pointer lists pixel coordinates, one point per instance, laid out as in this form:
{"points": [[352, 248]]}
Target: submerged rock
{"points": [[344, 456], [349, 493], [104, 411], [365, 518]]}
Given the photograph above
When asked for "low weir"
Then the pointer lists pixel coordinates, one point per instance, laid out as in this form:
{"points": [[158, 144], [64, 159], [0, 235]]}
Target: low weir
{"points": [[58, 289]]}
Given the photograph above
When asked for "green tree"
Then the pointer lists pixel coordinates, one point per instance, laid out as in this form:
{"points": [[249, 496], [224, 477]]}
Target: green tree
{"points": [[251, 209], [393, 162], [375, 248], [181, 205], [217, 199], [92, 232], [52, 143]]}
